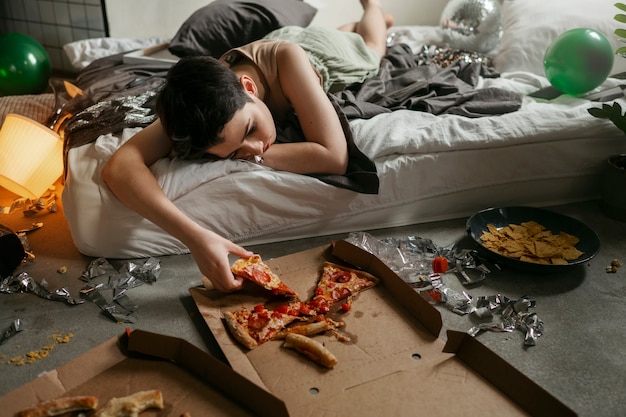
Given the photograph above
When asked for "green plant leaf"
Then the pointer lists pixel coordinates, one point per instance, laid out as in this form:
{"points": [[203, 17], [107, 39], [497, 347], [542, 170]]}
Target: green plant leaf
{"points": [[612, 112], [620, 33], [620, 18], [621, 6], [621, 50]]}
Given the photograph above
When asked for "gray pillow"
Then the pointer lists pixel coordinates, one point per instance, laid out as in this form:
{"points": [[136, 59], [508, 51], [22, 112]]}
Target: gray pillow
{"points": [[225, 24]]}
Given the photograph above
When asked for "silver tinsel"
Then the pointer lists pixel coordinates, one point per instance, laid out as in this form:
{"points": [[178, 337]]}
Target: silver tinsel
{"points": [[472, 25]]}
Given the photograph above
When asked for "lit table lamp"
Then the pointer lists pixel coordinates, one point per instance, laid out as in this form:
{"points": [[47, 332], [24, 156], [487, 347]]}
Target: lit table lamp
{"points": [[31, 156]]}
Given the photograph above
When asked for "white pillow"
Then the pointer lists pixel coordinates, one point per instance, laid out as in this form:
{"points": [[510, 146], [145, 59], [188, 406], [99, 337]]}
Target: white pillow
{"points": [[83, 52], [530, 26]]}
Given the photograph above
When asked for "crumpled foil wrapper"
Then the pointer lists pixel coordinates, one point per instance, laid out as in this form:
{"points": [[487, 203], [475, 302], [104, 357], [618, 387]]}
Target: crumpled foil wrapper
{"points": [[11, 331], [411, 259], [23, 282], [445, 56], [111, 295], [514, 314], [31, 207]]}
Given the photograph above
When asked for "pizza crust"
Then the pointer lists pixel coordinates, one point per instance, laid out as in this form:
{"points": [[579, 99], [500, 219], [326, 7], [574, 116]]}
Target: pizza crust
{"points": [[132, 405], [60, 406], [238, 331], [309, 329], [311, 348]]}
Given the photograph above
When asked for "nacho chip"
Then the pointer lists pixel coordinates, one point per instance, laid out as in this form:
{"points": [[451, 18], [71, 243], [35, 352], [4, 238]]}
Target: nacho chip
{"points": [[531, 242]]}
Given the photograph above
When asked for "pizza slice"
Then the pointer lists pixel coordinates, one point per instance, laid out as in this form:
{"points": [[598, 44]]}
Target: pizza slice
{"points": [[339, 283], [254, 327], [255, 270]]}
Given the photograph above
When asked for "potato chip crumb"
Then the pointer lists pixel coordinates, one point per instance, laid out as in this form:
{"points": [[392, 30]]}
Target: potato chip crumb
{"points": [[62, 269], [614, 266], [531, 242], [42, 353]]}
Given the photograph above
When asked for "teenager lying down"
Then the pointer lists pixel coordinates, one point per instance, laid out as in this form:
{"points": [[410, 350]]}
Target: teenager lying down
{"points": [[228, 108]]}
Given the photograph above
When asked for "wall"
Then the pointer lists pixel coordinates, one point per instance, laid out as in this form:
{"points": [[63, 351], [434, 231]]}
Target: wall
{"points": [[53, 23], [163, 17]]}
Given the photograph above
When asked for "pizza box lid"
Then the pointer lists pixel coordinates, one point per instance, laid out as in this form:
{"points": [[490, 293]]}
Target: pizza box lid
{"points": [[395, 360], [190, 379], [154, 54]]}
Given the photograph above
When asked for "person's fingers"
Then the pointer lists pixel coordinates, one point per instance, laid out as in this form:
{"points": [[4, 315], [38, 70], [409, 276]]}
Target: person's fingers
{"points": [[240, 251], [225, 281]]}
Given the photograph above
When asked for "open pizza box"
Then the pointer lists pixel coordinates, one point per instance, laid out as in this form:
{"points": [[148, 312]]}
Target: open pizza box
{"points": [[395, 363], [190, 379]]}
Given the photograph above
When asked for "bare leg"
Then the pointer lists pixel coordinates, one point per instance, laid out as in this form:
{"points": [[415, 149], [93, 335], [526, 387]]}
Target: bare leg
{"points": [[373, 26]]}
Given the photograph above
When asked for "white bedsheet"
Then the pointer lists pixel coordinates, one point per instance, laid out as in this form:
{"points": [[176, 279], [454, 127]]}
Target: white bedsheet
{"points": [[431, 168]]}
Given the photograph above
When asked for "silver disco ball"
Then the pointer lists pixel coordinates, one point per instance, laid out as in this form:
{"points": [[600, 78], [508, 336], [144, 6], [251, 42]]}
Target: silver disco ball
{"points": [[472, 25]]}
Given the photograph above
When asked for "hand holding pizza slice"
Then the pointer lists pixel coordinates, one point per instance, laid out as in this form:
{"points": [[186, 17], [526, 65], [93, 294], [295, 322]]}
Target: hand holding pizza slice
{"points": [[255, 270]]}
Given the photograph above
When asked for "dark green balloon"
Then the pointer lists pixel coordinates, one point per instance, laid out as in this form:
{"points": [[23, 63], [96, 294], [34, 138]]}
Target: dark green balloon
{"points": [[578, 61], [24, 65]]}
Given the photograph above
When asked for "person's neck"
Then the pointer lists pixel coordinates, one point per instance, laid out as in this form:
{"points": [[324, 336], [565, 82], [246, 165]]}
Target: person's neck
{"points": [[249, 69]]}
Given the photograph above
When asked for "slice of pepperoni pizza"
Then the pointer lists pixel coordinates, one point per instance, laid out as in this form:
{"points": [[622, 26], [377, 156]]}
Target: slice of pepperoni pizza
{"points": [[253, 327], [255, 270], [339, 283]]}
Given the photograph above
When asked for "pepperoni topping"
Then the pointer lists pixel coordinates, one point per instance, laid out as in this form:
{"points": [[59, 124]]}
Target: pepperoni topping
{"points": [[340, 293], [341, 276], [282, 309], [257, 322], [260, 276]]}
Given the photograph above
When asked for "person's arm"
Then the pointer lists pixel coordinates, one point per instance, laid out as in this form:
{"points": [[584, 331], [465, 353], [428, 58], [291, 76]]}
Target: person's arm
{"points": [[129, 178], [325, 149]]}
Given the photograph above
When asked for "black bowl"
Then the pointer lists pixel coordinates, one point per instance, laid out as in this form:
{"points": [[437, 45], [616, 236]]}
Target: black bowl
{"points": [[503, 216]]}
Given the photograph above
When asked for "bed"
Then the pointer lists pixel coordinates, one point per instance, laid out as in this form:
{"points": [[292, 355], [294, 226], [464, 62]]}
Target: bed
{"points": [[430, 165]]}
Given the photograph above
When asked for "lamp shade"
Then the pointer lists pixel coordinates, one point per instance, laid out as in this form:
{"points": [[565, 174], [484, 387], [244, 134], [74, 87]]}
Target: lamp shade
{"points": [[31, 156]]}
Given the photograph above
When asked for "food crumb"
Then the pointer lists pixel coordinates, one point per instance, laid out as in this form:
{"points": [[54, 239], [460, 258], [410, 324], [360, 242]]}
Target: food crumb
{"points": [[62, 269], [614, 266], [42, 353]]}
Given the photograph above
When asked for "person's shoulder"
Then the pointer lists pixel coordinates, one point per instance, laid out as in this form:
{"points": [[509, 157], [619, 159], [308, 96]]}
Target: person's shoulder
{"points": [[288, 50]]}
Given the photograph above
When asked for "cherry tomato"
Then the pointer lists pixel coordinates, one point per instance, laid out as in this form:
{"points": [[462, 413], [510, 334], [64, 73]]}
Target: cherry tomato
{"points": [[440, 265]]}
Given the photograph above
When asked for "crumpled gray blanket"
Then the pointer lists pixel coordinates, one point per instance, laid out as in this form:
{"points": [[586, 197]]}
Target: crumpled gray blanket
{"points": [[404, 82], [118, 96]]}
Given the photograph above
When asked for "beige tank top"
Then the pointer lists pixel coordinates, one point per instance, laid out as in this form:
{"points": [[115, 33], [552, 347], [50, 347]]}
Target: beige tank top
{"points": [[262, 54]]}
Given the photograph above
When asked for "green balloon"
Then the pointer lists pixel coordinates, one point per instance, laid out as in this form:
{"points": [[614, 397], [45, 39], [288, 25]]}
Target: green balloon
{"points": [[24, 65], [578, 61]]}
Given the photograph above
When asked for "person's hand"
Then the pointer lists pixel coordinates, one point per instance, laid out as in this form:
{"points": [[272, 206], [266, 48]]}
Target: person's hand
{"points": [[210, 251]]}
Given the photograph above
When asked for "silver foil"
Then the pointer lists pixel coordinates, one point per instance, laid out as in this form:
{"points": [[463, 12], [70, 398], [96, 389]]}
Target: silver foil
{"points": [[446, 56], [11, 331], [514, 315], [111, 296], [411, 259], [25, 283]]}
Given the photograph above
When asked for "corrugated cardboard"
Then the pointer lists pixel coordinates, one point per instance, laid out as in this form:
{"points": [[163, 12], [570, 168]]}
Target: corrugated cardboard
{"points": [[395, 363], [190, 379], [158, 54]]}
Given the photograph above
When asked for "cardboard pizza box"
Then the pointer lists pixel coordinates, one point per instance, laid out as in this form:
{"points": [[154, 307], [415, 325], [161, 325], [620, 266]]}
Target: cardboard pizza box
{"points": [[154, 54], [395, 363], [190, 379]]}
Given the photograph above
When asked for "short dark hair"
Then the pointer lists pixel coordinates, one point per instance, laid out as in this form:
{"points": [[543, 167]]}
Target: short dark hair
{"points": [[201, 94]]}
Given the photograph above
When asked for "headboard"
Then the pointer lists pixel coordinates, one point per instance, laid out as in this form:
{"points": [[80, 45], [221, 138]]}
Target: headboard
{"points": [[162, 18]]}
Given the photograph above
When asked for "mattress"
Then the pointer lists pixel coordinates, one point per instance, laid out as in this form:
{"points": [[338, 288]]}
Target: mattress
{"points": [[430, 168]]}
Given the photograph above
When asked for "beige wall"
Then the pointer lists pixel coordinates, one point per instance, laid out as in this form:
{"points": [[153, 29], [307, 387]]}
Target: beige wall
{"points": [[141, 18]]}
